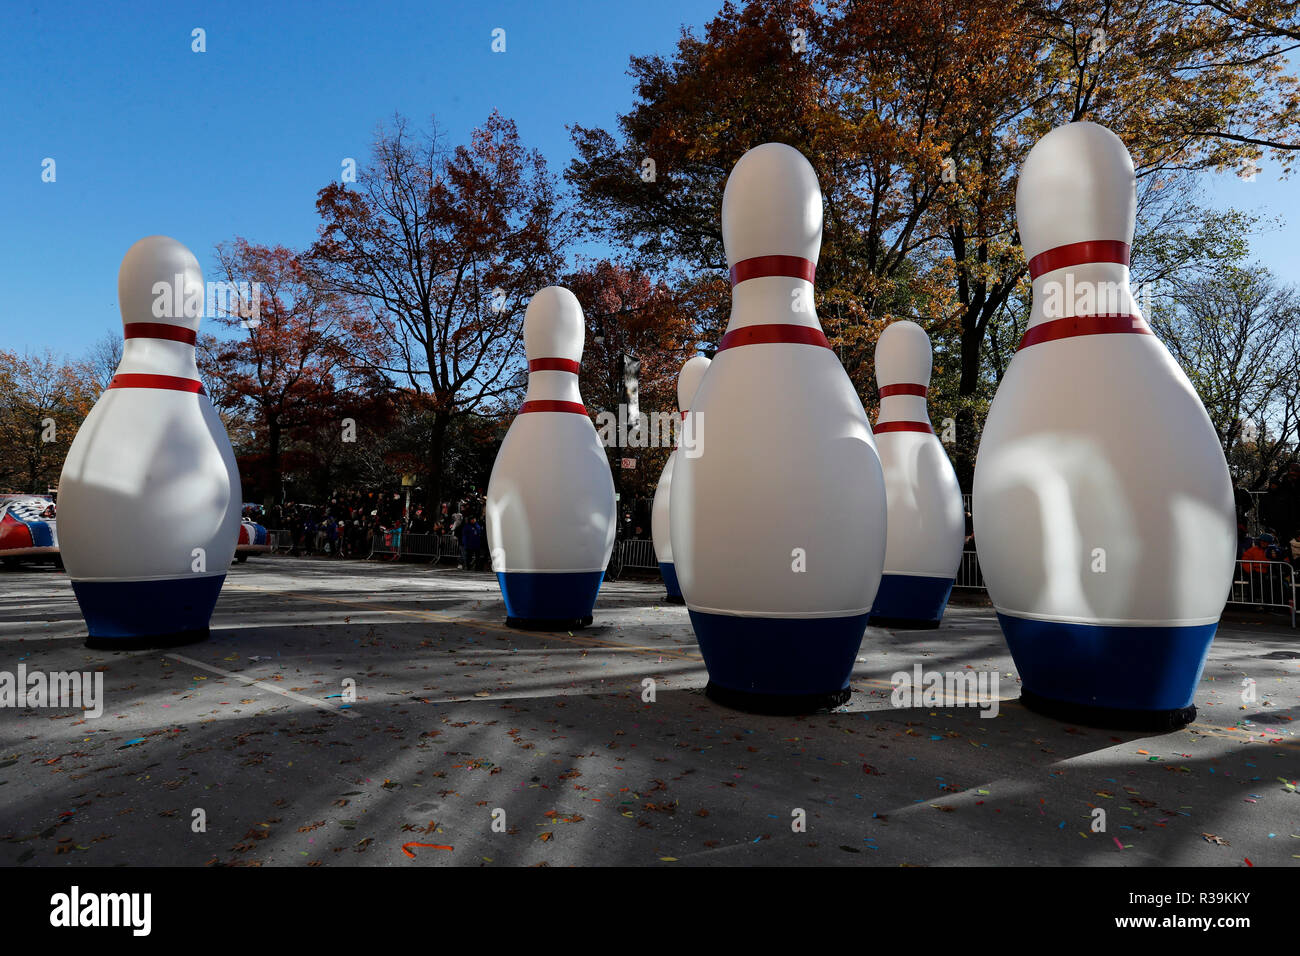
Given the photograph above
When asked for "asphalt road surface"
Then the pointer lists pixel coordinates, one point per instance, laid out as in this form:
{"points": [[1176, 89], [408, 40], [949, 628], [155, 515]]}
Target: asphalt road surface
{"points": [[502, 748]]}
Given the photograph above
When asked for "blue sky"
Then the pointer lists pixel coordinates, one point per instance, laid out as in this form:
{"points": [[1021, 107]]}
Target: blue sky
{"points": [[150, 137]]}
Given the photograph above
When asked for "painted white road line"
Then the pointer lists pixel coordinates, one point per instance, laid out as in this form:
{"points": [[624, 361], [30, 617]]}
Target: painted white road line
{"points": [[262, 685]]}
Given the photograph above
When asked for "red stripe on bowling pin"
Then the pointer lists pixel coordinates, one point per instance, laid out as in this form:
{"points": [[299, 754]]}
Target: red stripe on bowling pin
{"points": [[554, 365], [159, 330], [170, 382], [904, 389], [903, 427], [1078, 254], [760, 267], [1109, 323], [551, 405], [773, 334]]}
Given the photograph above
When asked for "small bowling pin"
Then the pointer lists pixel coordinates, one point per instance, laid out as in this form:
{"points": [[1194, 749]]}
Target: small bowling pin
{"points": [[149, 499], [550, 500], [778, 525], [688, 380], [927, 523], [1102, 505]]}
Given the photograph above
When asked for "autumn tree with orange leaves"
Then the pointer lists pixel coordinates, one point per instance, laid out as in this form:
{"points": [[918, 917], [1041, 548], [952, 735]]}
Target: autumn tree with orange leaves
{"points": [[43, 400], [299, 357], [916, 117], [446, 246], [633, 318]]}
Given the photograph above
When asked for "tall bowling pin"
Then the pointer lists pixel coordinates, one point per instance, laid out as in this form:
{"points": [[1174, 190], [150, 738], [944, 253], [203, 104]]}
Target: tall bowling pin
{"points": [[688, 380], [778, 525], [1102, 504], [550, 500], [149, 499], [927, 524]]}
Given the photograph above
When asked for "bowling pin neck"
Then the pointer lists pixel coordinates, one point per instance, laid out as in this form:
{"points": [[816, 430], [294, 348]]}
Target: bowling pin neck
{"points": [[773, 300], [145, 355], [553, 380], [1085, 288], [903, 403]]}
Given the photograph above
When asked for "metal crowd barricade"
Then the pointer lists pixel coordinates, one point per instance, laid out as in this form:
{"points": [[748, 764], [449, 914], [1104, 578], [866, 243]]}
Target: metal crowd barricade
{"points": [[639, 554], [419, 545], [1264, 584], [968, 572], [1254, 583], [280, 540], [397, 544], [386, 543]]}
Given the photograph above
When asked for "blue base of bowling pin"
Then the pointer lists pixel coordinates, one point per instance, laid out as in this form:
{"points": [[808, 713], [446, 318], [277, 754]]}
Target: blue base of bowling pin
{"points": [[549, 601], [910, 601], [1109, 676], [668, 571], [129, 614], [778, 665]]}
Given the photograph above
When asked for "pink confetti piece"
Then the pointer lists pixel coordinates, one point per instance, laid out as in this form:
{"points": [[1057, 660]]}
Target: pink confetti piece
{"points": [[1117, 843]]}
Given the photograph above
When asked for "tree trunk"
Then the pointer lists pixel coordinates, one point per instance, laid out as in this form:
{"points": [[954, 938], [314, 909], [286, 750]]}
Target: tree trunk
{"points": [[437, 448], [972, 335], [273, 461]]}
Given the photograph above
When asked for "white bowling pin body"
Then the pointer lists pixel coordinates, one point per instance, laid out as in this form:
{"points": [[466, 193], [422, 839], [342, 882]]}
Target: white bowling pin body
{"points": [[550, 500], [778, 525], [688, 381], [1102, 503], [927, 523], [149, 498]]}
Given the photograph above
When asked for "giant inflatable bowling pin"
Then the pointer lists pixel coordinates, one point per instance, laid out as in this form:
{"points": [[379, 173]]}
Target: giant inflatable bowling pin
{"points": [[149, 500], [550, 500], [1102, 505], [778, 525], [927, 523], [688, 380]]}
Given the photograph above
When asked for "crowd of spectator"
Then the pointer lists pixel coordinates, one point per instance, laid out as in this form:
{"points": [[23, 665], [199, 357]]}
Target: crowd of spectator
{"points": [[348, 524], [350, 521], [1277, 513]]}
